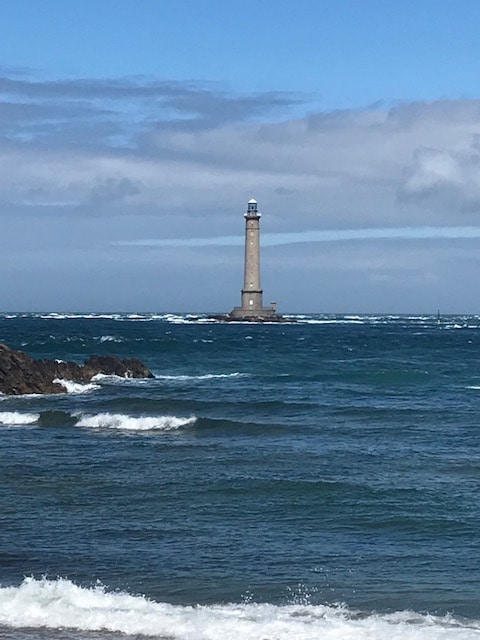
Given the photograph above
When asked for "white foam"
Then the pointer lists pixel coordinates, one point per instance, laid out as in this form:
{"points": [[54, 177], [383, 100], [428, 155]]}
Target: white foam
{"points": [[111, 378], [134, 423], [56, 604], [109, 339], [332, 321], [76, 387], [78, 316], [17, 418], [205, 376], [174, 319], [184, 319]]}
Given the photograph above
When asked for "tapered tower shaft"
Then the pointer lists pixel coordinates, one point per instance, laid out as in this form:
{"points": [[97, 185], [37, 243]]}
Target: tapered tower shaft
{"points": [[252, 309], [252, 294]]}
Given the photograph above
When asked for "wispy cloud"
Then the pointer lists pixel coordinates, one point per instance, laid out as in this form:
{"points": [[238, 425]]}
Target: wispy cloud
{"points": [[113, 111], [343, 235]]}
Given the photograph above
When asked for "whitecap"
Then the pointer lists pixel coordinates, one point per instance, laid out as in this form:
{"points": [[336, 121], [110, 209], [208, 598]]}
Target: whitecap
{"points": [[189, 318], [76, 387], [17, 418], [176, 319], [108, 339], [112, 379], [124, 422], [332, 321], [204, 376], [78, 316], [139, 318], [60, 604]]}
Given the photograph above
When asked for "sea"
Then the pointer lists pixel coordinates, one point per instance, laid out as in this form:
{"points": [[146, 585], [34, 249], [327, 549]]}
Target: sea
{"points": [[311, 480]]}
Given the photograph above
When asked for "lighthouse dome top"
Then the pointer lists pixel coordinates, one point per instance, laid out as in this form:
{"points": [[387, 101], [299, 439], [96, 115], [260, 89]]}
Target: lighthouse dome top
{"points": [[252, 209]]}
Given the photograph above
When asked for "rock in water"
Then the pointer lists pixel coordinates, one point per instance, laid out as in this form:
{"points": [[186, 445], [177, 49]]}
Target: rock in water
{"points": [[20, 374], [113, 366]]}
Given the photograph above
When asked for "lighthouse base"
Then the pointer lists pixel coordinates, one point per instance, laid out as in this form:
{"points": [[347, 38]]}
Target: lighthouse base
{"points": [[263, 314], [253, 315]]}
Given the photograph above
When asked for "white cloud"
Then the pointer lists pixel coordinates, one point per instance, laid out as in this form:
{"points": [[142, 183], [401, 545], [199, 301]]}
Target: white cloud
{"points": [[92, 164], [446, 179]]}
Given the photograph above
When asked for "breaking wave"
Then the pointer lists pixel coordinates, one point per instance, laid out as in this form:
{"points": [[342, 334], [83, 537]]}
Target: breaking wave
{"points": [[76, 387], [56, 604], [17, 418], [112, 379], [133, 423], [204, 376]]}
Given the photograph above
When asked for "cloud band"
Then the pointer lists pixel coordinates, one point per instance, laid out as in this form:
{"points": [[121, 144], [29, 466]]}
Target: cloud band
{"points": [[342, 235]]}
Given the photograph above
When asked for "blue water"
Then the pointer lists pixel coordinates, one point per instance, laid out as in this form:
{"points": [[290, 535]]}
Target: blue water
{"points": [[329, 467]]}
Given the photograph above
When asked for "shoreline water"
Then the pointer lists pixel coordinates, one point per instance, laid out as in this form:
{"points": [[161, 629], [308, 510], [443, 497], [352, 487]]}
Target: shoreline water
{"points": [[59, 607]]}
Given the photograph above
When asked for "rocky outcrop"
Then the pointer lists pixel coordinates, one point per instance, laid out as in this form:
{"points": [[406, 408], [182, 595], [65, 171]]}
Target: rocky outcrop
{"points": [[20, 374]]}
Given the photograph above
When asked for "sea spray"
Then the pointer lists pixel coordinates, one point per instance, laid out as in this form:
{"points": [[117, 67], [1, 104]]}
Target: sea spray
{"points": [[57, 604], [76, 387]]}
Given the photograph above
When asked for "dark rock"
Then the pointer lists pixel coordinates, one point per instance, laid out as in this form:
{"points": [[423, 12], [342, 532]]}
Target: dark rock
{"points": [[20, 374], [113, 366]]}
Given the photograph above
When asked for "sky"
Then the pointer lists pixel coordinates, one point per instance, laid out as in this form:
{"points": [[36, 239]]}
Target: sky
{"points": [[133, 133]]}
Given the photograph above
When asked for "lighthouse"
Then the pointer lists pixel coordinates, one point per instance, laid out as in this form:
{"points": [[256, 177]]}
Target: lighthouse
{"points": [[252, 308]]}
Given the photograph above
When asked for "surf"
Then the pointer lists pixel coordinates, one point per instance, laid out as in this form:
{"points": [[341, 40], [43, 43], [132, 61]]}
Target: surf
{"points": [[61, 604], [122, 422]]}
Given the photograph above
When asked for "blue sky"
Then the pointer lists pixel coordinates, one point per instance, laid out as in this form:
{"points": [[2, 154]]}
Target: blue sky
{"points": [[133, 133], [339, 53]]}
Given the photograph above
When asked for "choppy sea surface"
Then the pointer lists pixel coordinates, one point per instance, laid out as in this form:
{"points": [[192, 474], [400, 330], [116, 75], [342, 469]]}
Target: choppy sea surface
{"points": [[313, 480]]}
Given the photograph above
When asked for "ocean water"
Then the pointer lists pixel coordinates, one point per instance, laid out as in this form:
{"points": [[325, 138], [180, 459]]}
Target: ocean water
{"points": [[313, 480]]}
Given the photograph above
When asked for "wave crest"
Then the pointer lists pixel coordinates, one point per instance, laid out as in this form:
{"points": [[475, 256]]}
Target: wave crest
{"points": [[134, 423], [203, 376], [76, 387], [60, 603], [17, 418]]}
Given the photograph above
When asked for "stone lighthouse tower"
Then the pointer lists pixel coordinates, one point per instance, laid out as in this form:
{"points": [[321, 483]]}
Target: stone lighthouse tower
{"points": [[252, 295]]}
